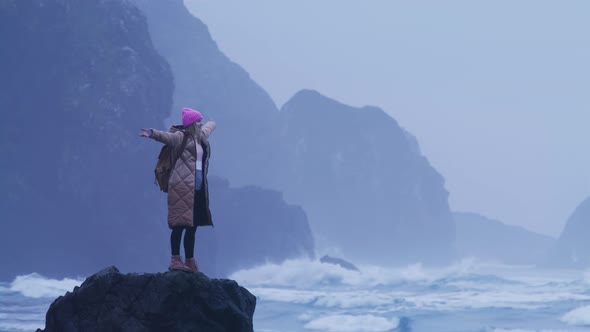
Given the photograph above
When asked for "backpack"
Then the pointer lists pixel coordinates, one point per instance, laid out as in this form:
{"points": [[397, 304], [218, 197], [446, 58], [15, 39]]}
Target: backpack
{"points": [[166, 162]]}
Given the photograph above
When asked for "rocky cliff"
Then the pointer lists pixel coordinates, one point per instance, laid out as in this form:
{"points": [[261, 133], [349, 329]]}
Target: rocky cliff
{"points": [[79, 79], [572, 248], [364, 183]]}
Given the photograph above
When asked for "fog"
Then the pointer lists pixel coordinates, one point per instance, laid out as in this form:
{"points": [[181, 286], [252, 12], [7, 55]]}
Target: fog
{"points": [[496, 93]]}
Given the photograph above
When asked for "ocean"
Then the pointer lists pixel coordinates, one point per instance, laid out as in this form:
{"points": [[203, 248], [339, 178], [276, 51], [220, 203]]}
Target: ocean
{"points": [[304, 295]]}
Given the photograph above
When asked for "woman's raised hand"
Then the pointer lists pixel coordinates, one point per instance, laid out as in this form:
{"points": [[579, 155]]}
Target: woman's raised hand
{"points": [[144, 132]]}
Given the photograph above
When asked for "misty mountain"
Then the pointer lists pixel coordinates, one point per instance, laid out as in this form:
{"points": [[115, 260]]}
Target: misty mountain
{"points": [[245, 143], [492, 240], [79, 78], [369, 194], [572, 248], [363, 176], [366, 187]]}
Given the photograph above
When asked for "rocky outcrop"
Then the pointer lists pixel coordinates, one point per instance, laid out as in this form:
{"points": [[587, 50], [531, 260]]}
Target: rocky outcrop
{"points": [[253, 226], [363, 182], [340, 262], [171, 301], [492, 240], [572, 249]]}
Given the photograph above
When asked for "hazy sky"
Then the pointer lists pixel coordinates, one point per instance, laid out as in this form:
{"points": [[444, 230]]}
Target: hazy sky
{"points": [[496, 92]]}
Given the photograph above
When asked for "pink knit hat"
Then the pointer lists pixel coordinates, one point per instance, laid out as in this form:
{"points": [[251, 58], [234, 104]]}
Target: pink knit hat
{"points": [[190, 116]]}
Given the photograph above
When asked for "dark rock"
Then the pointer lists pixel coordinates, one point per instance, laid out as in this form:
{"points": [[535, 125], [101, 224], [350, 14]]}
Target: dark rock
{"points": [[171, 301], [253, 226], [338, 261]]}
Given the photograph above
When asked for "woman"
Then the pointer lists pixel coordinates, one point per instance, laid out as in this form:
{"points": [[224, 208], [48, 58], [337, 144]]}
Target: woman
{"points": [[188, 195]]}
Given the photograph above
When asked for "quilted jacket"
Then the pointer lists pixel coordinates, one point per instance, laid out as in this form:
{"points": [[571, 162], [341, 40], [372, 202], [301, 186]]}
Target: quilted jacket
{"points": [[181, 187]]}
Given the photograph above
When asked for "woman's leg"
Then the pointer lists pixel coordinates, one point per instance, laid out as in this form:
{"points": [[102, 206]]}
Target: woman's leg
{"points": [[176, 262], [189, 242], [175, 238], [189, 248], [189, 235]]}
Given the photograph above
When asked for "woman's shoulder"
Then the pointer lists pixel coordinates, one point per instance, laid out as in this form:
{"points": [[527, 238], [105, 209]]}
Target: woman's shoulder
{"points": [[177, 129]]}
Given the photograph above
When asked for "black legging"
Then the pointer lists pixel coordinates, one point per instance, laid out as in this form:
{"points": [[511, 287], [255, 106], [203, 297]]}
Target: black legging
{"points": [[189, 235], [189, 241]]}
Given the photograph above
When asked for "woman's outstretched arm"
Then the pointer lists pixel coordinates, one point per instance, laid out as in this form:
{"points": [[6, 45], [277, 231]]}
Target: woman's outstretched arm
{"points": [[173, 139], [208, 127]]}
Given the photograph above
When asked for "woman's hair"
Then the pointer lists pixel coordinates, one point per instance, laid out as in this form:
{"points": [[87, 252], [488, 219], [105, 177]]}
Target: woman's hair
{"points": [[195, 130]]}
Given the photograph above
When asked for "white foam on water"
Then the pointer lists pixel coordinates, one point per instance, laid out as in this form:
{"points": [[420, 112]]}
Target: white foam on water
{"points": [[306, 316], [306, 274], [298, 274], [441, 300], [494, 298], [350, 323], [457, 287], [302, 273], [355, 299], [579, 316], [36, 286], [21, 326], [328, 299], [20, 316], [286, 295]]}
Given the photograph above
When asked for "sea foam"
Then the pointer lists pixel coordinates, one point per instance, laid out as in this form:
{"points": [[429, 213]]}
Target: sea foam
{"points": [[36, 286]]}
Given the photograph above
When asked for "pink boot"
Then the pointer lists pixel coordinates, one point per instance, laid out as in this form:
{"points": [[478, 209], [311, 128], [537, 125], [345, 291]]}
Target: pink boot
{"points": [[192, 264], [177, 264]]}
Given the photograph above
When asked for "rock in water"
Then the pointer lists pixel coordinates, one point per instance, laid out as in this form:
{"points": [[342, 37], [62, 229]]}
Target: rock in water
{"points": [[339, 261], [170, 301]]}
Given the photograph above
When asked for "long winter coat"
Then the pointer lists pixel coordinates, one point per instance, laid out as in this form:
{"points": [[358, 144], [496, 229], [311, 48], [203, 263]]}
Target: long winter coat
{"points": [[182, 203]]}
